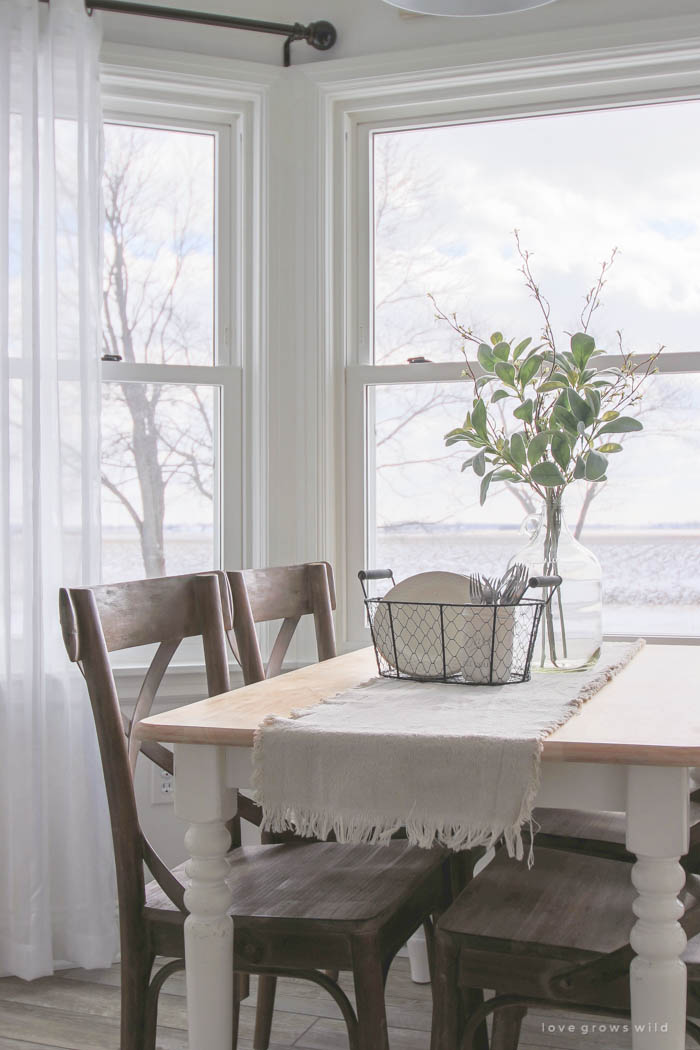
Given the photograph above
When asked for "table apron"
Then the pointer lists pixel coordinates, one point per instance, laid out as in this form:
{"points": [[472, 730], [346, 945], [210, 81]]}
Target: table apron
{"points": [[564, 785], [238, 768], [583, 785]]}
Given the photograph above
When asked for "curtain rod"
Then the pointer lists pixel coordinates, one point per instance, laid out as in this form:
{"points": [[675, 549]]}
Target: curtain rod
{"points": [[321, 35]]}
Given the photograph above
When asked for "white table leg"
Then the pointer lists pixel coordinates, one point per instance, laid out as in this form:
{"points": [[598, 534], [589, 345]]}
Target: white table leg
{"points": [[418, 958], [657, 832], [202, 800]]}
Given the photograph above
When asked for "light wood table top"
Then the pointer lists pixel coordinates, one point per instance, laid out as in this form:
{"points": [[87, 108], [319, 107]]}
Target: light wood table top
{"points": [[648, 715]]}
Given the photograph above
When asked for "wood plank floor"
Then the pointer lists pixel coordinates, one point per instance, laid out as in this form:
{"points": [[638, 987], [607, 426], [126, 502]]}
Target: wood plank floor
{"points": [[79, 1010]]}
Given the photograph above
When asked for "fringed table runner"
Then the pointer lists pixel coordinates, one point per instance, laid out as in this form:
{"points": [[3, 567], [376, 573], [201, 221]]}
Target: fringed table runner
{"points": [[455, 765]]}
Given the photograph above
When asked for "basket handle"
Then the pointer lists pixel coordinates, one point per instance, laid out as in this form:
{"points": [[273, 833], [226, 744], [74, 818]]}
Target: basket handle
{"points": [[374, 574], [544, 581]]}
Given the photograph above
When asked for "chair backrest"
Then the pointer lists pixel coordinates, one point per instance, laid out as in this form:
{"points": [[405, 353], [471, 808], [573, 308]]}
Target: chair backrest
{"points": [[284, 593], [99, 620]]}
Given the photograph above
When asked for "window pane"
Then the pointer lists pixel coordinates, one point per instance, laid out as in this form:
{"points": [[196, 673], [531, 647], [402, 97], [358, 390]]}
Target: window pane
{"points": [[160, 479], [159, 193], [446, 202], [643, 524]]}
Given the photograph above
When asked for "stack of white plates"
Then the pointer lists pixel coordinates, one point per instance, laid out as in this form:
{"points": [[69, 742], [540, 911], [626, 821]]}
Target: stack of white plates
{"points": [[409, 638]]}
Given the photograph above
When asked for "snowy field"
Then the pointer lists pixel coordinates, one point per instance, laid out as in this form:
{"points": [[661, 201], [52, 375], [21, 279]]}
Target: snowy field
{"points": [[651, 579]]}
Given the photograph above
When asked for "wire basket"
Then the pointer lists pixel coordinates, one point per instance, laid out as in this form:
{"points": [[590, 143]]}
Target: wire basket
{"points": [[461, 644]]}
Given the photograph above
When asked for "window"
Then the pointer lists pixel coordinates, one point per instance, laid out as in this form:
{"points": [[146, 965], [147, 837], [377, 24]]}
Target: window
{"points": [[443, 205], [167, 369]]}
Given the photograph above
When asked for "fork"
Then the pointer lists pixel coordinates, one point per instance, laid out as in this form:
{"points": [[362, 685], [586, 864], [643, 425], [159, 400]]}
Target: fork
{"points": [[485, 590]]}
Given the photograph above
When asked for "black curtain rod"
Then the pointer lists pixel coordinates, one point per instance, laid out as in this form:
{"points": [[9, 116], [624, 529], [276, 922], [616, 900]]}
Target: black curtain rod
{"points": [[321, 35]]}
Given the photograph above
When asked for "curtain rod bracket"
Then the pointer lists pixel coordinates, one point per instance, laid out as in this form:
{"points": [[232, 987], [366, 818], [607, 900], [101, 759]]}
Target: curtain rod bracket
{"points": [[320, 35]]}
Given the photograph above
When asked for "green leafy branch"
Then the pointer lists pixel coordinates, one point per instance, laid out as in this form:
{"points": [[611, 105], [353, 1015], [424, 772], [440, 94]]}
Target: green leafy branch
{"points": [[570, 411]]}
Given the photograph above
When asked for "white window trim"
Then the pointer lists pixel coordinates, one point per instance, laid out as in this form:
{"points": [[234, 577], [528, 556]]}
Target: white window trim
{"points": [[443, 86]]}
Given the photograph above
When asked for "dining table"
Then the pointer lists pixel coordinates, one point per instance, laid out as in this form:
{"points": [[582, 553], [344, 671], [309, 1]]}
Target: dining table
{"points": [[631, 748]]}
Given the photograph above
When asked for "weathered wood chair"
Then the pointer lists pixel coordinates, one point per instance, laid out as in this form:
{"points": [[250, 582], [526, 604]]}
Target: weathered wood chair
{"points": [[285, 593], [600, 834], [555, 937], [97, 621], [289, 593], [344, 907]]}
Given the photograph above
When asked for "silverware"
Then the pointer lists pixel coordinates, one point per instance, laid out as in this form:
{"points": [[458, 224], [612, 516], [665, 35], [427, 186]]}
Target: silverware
{"points": [[481, 590], [485, 590], [513, 585]]}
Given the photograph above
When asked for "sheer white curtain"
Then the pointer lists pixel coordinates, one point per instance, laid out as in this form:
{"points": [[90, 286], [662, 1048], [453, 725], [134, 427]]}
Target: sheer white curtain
{"points": [[56, 869]]}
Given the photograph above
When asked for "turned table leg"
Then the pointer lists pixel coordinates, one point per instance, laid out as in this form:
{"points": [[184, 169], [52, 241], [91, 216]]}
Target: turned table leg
{"points": [[657, 832], [203, 802]]}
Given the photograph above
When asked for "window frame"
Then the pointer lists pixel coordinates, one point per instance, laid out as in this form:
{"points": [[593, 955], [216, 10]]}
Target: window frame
{"points": [[225, 373], [355, 503], [154, 90]]}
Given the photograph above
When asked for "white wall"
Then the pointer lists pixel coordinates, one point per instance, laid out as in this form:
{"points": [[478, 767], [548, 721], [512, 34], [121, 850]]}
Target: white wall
{"points": [[372, 26]]}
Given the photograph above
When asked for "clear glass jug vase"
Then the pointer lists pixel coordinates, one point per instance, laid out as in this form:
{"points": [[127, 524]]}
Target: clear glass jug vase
{"points": [[571, 629]]}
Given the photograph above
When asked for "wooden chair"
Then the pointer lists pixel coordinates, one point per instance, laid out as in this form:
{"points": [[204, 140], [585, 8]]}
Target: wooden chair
{"points": [[554, 937], [289, 593], [600, 834], [95, 622], [285, 593], [344, 907]]}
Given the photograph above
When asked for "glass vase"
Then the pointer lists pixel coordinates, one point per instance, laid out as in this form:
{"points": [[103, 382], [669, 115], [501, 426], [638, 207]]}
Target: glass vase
{"points": [[571, 629]]}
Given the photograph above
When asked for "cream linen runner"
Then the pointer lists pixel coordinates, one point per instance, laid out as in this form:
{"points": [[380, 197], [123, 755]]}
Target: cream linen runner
{"points": [[455, 765]]}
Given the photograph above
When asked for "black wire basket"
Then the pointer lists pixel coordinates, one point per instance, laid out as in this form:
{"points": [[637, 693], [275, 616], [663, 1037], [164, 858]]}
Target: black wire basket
{"points": [[461, 644]]}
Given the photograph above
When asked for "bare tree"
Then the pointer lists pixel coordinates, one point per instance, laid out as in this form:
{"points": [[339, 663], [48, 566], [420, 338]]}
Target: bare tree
{"points": [[163, 432]]}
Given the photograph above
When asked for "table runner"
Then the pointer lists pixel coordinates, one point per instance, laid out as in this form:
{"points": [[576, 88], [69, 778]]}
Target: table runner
{"points": [[455, 765]]}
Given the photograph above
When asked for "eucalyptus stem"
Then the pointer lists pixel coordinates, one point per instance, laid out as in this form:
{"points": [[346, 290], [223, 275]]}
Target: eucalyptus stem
{"points": [[552, 523]]}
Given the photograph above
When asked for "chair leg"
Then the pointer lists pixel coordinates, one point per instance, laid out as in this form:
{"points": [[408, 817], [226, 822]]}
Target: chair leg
{"points": [[447, 1005], [471, 1000], [154, 989], [461, 870], [243, 986], [138, 1021], [429, 932], [237, 988], [505, 1034], [369, 977], [150, 1023], [267, 986]]}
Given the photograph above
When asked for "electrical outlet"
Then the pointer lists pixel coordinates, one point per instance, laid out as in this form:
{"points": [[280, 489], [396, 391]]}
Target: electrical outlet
{"points": [[162, 787]]}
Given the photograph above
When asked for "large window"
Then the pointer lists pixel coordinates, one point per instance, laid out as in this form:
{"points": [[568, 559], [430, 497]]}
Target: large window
{"points": [[443, 206], [167, 369]]}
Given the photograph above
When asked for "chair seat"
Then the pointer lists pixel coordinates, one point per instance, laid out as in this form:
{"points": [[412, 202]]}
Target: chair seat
{"points": [[565, 902], [591, 828], [295, 901], [322, 882], [517, 929], [593, 825]]}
